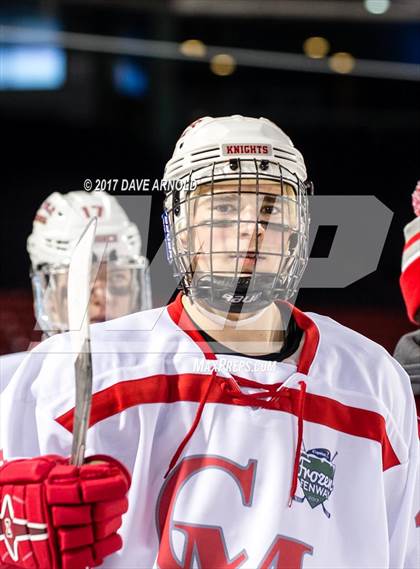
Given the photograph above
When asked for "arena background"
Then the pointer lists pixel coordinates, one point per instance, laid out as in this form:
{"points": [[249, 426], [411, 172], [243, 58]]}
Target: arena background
{"points": [[84, 106]]}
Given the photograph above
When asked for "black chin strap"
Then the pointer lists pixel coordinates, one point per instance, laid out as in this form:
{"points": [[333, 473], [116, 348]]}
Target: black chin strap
{"points": [[242, 295]]}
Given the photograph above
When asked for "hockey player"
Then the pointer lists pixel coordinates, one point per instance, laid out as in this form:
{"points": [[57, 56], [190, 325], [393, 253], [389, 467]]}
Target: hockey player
{"points": [[120, 282], [255, 435]]}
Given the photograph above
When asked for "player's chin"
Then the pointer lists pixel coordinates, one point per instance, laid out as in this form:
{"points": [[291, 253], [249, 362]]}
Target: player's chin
{"points": [[97, 319]]}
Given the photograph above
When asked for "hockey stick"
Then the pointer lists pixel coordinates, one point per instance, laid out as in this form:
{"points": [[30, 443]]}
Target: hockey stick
{"points": [[78, 314]]}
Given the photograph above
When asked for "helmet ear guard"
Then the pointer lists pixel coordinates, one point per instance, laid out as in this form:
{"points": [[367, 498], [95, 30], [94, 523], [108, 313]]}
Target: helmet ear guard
{"points": [[201, 161]]}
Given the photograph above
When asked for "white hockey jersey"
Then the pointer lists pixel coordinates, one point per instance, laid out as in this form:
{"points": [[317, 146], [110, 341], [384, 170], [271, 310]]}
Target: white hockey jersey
{"points": [[307, 465], [8, 366], [9, 363]]}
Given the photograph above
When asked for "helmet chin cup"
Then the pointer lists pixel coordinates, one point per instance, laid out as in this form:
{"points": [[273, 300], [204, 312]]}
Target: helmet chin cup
{"points": [[245, 294]]}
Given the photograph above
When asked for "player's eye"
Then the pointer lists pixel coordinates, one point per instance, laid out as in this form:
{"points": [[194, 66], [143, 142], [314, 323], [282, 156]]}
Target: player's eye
{"points": [[270, 210], [224, 208]]}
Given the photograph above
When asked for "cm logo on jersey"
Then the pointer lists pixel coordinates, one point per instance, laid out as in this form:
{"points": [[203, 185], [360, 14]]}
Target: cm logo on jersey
{"points": [[205, 545]]}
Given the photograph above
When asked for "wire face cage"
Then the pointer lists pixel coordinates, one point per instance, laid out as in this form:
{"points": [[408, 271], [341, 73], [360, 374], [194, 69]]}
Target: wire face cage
{"points": [[237, 233]]}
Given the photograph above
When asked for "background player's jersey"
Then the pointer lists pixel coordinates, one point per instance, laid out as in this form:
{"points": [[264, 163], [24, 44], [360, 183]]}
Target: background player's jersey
{"points": [[9, 363], [229, 434], [8, 366]]}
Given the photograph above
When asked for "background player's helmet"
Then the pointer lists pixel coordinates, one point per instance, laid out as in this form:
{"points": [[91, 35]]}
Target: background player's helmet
{"points": [[236, 150], [57, 227]]}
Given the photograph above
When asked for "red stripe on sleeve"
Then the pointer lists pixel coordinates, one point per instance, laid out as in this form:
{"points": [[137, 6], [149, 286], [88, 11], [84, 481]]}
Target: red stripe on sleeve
{"points": [[412, 240]]}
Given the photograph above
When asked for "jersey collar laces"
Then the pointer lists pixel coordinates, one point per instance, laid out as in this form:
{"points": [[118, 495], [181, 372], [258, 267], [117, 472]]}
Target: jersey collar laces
{"points": [[228, 389], [267, 398]]}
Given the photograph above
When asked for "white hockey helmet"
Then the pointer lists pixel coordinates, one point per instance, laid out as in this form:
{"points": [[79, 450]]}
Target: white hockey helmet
{"points": [[205, 148], [213, 150], [57, 226]]}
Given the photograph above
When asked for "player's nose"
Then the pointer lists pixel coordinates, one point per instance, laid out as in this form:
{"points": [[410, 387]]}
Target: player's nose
{"points": [[97, 306], [251, 237], [98, 292], [253, 229]]}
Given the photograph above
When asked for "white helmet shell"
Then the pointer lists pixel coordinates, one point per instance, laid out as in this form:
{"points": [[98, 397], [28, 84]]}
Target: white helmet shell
{"points": [[61, 219], [209, 140]]}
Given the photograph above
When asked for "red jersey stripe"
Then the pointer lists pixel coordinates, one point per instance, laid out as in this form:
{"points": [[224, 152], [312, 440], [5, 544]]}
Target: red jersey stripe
{"points": [[311, 340], [191, 387], [180, 317]]}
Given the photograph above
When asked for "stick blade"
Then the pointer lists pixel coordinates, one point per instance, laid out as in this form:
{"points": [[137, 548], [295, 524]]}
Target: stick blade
{"points": [[78, 288], [78, 314]]}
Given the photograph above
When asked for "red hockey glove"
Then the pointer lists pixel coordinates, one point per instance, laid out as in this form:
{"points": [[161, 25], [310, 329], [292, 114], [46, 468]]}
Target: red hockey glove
{"points": [[57, 516]]}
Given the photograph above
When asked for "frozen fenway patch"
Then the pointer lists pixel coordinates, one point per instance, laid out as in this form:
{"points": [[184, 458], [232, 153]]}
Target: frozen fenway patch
{"points": [[246, 148], [316, 475]]}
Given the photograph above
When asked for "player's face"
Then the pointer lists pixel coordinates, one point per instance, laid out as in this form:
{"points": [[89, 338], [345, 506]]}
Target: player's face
{"points": [[111, 294], [242, 232]]}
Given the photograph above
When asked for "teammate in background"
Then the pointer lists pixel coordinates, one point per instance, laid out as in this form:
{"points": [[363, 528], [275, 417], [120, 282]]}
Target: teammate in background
{"points": [[255, 435], [407, 351], [120, 281]]}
